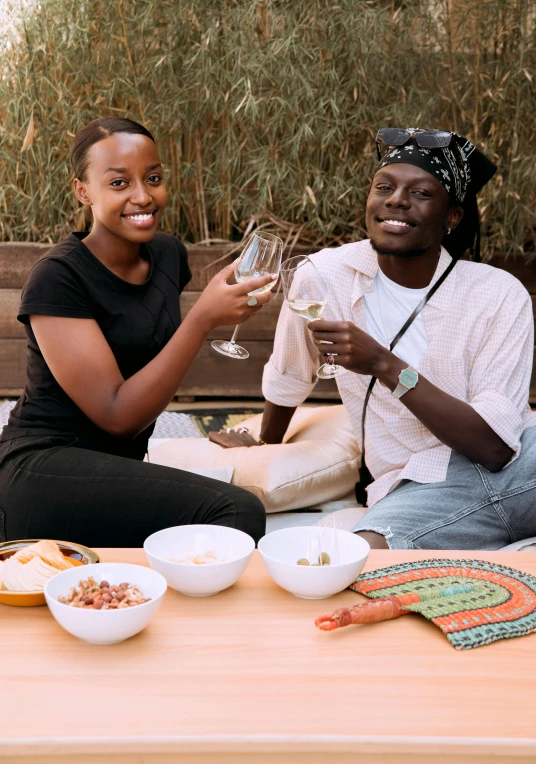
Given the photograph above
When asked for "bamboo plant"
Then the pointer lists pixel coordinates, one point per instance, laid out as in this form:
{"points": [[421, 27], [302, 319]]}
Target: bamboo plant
{"points": [[265, 111]]}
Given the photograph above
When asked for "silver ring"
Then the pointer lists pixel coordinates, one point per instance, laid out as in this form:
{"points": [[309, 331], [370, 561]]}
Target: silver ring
{"points": [[252, 301], [228, 430], [243, 429]]}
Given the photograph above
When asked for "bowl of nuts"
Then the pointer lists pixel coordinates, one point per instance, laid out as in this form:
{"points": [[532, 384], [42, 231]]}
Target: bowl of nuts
{"points": [[311, 562], [105, 603]]}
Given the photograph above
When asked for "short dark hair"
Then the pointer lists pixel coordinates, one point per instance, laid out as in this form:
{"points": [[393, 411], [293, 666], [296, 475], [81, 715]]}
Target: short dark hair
{"points": [[96, 131]]}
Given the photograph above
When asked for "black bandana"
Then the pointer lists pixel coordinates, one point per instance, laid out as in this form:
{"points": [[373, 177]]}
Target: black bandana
{"points": [[461, 168]]}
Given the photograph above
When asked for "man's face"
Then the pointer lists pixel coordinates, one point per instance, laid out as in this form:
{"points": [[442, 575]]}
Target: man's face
{"points": [[407, 211]]}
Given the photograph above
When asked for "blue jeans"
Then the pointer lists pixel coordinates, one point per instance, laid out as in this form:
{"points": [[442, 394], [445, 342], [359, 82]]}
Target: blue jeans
{"points": [[471, 509]]}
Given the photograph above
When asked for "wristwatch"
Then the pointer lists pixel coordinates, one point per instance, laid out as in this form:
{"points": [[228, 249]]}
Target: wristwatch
{"points": [[407, 379]]}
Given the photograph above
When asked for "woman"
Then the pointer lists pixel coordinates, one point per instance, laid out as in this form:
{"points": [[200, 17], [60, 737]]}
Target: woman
{"points": [[107, 350]]}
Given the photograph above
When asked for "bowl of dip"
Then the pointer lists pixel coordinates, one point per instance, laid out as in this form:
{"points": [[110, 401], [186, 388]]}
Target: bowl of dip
{"points": [[199, 560]]}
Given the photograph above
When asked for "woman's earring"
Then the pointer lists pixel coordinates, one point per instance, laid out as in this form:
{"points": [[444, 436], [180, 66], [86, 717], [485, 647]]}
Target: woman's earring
{"points": [[448, 231]]}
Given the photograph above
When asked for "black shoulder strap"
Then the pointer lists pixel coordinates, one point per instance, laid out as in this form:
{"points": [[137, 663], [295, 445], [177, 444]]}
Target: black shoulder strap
{"points": [[365, 478]]}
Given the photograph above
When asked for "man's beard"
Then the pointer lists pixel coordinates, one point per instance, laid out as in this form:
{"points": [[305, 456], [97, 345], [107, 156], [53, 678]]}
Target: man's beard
{"points": [[403, 253]]}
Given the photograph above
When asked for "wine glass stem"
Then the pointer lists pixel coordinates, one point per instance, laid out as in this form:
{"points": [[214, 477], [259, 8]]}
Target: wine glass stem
{"points": [[235, 334]]}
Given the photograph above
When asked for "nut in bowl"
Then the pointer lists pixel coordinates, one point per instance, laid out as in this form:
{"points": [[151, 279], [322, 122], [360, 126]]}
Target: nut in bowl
{"points": [[65, 594], [313, 563], [199, 560]]}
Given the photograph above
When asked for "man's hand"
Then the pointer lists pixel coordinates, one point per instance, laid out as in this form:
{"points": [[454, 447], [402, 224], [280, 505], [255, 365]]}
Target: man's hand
{"points": [[232, 439], [453, 422], [353, 348]]}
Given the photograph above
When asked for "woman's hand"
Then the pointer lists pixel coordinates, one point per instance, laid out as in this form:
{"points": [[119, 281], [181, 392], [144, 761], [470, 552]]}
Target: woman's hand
{"points": [[233, 439], [354, 349], [223, 304], [275, 422]]}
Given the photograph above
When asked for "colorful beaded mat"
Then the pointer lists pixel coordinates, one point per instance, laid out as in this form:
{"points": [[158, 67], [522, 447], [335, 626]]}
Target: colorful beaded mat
{"points": [[490, 602], [220, 419]]}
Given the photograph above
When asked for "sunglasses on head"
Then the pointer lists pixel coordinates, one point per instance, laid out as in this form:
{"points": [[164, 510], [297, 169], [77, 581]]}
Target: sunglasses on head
{"points": [[426, 139]]}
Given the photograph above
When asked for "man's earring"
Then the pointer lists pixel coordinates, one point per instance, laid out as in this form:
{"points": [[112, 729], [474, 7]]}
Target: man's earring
{"points": [[448, 231]]}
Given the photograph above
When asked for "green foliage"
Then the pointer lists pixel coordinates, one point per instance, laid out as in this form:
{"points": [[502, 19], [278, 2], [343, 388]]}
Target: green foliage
{"points": [[265, 111]]}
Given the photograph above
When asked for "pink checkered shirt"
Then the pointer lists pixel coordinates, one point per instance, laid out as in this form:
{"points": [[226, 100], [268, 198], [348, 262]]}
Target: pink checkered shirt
{"points": [[481, 342]]}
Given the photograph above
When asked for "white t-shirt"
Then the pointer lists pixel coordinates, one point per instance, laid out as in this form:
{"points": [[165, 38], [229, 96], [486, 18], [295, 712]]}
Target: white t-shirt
{"points": [[387, 309]]}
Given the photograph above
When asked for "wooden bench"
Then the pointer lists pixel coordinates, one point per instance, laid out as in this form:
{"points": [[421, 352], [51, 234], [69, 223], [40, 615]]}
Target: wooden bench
{"points": [[212, 375]]}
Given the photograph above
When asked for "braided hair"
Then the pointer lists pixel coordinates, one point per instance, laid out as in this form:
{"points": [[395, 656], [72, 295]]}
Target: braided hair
{"points": [[466, 235]]}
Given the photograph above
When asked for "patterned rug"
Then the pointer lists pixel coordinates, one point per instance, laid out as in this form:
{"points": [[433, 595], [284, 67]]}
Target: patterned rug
{"points": [[176, 424], [220, 419]]}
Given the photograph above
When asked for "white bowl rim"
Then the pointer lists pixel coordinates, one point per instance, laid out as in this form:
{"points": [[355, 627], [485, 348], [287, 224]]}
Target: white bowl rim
{"points": [[192, 566], [132, 564], [293, 565]]}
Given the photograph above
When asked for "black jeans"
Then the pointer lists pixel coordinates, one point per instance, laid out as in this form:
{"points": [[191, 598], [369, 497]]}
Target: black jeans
{"points": [[58, 488]]}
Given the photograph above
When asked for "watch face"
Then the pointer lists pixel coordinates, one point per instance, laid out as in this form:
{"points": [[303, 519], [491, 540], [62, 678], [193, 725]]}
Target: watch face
{"points": [[408, 378]]}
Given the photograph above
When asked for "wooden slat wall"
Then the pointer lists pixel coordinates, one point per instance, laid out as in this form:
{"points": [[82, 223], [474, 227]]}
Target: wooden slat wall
{"points": [[211, 375], [259, 327], [16, 261], [12, 366], [9, 304]]}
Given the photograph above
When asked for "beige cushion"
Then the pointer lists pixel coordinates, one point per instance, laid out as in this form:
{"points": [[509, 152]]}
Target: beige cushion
{"points": [[318, 461]]}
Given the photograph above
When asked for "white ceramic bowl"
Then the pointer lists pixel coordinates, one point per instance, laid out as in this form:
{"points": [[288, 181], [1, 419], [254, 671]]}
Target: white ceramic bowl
{"points": [[281, 550], [181, 541], [105, 627]]}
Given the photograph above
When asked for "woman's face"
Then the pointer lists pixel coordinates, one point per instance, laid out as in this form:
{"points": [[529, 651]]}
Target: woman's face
{"points": [[124, 186]]}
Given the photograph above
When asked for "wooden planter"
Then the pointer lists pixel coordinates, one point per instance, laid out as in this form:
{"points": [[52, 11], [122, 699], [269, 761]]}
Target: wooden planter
{"points": [[212, 375]]}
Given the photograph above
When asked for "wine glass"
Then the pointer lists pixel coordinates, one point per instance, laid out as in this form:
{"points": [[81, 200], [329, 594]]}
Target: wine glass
{"points": [[260, 257], [306, 294]]}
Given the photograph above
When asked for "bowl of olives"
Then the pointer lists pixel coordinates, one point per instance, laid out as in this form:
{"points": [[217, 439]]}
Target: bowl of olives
{"points": [[313, 563]]}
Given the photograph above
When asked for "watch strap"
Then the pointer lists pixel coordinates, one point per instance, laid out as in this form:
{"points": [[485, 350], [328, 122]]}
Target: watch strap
{"points": [[399, 391]]}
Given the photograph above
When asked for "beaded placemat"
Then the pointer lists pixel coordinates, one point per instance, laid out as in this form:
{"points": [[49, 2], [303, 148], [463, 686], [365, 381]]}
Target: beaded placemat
{"points": [[220, 419], [500, 602]]}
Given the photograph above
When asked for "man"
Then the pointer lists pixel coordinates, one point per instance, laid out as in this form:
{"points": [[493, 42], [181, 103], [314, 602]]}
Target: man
{"points": [[449, 436]]}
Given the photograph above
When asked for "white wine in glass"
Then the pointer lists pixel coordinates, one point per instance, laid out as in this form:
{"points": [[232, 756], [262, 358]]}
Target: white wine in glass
{"points": [[306, 295], [309, 309], [260, 257], [260, 290]]}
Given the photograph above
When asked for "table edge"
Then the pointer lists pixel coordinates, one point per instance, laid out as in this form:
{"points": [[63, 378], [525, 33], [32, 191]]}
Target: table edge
{"points": [[269, 743]]}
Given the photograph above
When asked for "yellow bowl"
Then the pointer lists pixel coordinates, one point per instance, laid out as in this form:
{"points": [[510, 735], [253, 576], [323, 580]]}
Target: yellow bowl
{"points": [[80, 555]]}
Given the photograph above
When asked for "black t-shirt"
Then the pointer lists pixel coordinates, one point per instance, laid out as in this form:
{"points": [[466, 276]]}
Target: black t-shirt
{"points": [[136, 320]]}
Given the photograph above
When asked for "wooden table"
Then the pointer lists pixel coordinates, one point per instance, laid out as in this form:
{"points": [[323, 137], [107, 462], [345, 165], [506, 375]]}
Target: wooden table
{"points": [[246, 677]]}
